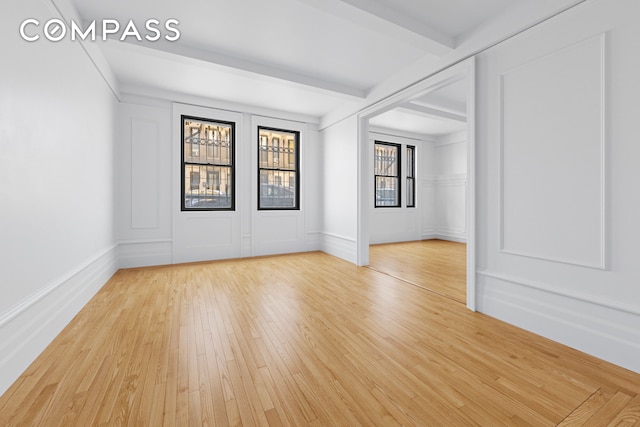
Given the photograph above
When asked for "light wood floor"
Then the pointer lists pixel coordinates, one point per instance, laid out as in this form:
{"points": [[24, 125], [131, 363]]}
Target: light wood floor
{"points": [[301, 340], [437, 265]]}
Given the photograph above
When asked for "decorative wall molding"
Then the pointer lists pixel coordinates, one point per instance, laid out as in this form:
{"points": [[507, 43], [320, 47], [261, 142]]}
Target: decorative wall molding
{"points": [[609, 330], [451, 180], [144, 253], [9, 315], [453, 138], [67, 11], [28, 327], [626, 308], [584, 51], [453, 234], [134, 91], [145, 187], [376, 131], [448, 237]]}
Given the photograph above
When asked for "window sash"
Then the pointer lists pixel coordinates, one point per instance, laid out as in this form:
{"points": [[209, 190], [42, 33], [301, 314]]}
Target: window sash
{"points": [[208, 171], [387, 169], [411, 181], [278, 169]]}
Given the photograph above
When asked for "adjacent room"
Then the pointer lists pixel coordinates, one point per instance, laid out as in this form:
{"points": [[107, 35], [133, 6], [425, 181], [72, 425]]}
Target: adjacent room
{"points": [[319, 212], [418, 217]]}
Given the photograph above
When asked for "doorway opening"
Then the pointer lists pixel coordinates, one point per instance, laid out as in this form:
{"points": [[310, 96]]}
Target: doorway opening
{"points": [[426, 236]]}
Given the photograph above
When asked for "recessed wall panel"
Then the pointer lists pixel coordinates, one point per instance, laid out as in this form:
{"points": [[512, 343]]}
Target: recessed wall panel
{"points": [[553, 148], [144, 174]]}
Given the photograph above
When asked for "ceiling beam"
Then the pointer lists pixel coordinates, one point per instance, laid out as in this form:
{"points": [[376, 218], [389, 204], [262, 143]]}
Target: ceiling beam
{"points": [[440, 43], [380, 18], [431, 112], [250, 67]]}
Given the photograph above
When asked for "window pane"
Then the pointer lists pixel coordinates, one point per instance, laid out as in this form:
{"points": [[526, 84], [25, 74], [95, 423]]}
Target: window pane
{"points": [[278, 169], [207, 186], [410, 161], [207, 142], [386, 157], [410, 192], [277, 189], [387, 191]]}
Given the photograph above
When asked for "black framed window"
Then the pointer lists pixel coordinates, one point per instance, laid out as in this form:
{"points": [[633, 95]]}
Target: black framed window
{"points": [[411, 176], [278, 169], [387, 174], [208, 170]]}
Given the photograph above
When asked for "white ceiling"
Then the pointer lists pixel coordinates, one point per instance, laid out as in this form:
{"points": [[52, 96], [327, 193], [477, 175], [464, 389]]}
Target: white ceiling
{"points": [[436, 113], [307, 57]]}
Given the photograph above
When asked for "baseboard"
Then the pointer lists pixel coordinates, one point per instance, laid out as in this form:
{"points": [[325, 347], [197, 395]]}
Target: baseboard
{"points": [[394, 238], [340, 246], [459, 239], [606, 330], [28, 327], [144, 253]]}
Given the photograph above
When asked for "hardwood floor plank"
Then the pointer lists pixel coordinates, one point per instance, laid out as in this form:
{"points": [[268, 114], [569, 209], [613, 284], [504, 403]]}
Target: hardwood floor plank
{"points": [[304, 339], [629, 415], [609, 411], [437, 265]]}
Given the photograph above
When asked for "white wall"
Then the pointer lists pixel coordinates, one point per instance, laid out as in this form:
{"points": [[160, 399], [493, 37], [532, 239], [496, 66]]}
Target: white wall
{"points": [[56, 185], [150, 227], [451, 187], [339, 148], [557, 213]]}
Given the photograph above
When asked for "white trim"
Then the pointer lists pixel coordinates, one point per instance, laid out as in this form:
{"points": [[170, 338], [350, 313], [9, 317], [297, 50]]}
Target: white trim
{"points": [[584, 297], [516, 22], [15, 311], [452, 74], [66, 10], [144, 252], [135, 92], [187, 54], [440, 235], [453, 234], [455, 180], [28, 327], [608, 331], [452, 138], [339, 246], [471, 187], [401, 133], [604, 196]]}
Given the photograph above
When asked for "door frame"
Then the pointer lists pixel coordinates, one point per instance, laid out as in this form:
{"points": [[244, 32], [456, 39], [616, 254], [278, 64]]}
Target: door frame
{"points": [[463, 69]]}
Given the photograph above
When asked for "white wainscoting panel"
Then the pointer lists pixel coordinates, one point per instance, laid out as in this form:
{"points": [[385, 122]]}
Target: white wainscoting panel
{"points": [[450, 203], [553, 156], [144, 176], [207, 236], [395, 225], [277, 232], [428, 207], [609, 330], [144, 253]]}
